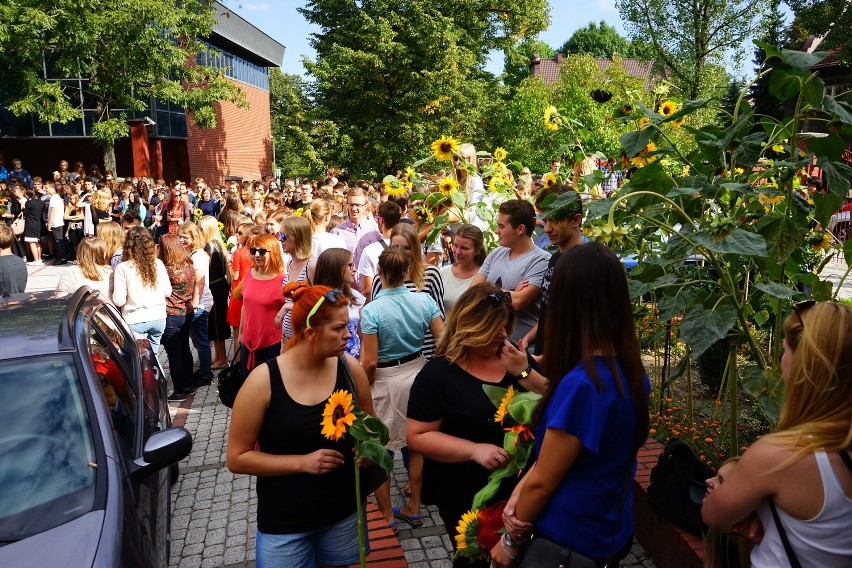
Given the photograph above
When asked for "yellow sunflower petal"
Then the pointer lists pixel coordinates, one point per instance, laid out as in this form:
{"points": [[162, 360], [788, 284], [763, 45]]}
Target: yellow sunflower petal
{"points": [[644, 121], [552, 118], [444, 148], [668, 108], [337, 415], [549, 181], [448, 185], [500, 154]]}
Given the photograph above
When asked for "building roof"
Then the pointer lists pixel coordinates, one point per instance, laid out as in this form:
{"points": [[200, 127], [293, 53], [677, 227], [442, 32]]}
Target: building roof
{"points": [[548, 69], [238, 35]]}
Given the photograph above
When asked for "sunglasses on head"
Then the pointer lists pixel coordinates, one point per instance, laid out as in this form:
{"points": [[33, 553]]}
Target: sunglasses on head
{"points": [[332, 296], [501, 297], [261, 251], [801, 307]]}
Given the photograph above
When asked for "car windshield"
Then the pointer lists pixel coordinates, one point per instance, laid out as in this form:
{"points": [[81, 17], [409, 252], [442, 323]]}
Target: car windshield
{"points": [[47, 460]]}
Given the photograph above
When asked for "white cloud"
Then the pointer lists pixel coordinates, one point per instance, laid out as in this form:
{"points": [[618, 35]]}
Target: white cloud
{"points": [[608, 5], [264, 6]]}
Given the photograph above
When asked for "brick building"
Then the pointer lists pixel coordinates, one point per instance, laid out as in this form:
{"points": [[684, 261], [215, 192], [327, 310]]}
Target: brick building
{"points": [[163, 143]]}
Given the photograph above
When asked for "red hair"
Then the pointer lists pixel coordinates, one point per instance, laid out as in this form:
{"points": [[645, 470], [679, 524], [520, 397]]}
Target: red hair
{"points": [[304, 299], [270, 243]]}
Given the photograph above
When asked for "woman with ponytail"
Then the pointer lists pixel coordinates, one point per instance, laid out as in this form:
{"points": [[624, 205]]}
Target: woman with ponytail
{"points": [[306, 508]]}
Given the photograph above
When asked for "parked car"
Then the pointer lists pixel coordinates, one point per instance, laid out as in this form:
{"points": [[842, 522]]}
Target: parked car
{"points": [[87, 452]]}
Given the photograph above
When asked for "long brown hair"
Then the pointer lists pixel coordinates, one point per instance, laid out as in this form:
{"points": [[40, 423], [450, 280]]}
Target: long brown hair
{"points": [[92, 258], [329, 270], [417, 268], [589, 310], [139, 247], [172, 252]]}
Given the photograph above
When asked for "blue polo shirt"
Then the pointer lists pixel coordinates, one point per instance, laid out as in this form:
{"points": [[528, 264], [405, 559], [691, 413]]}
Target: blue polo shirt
{"points": [[400, 318]]}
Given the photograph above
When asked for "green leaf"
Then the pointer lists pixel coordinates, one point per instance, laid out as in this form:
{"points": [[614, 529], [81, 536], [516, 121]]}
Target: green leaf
{"points": [[702, 327], [486, 493], [826, 205], [847, 251], [521, 407], [678, 191], [739, 241], [377, 454], [776, 290], [678, 248], [686, 108], [419, 163], [634, 142], [784, 85], [670, 305], [835, 108], [802, 61], [830, 146], [837, 174], [782, 235], [769, 49], [766, 387], [821, 291], [813, 91], [495, 394], [652, 177], [741, 188]]}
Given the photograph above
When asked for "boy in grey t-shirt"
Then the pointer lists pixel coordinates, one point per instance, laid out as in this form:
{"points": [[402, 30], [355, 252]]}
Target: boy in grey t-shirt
{"points": [[517, 259], [13, 269]]}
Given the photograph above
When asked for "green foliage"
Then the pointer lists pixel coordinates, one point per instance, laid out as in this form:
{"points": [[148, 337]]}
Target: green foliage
{"points": [[393, 77], [603, 40], [517, 59], [131, 51], [293, 128], [829, 18], [689, 36]]}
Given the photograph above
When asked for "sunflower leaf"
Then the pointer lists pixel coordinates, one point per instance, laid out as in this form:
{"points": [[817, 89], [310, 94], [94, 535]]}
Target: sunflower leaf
{"points": [[496, 394], [377, 454], [419, 163], [521, 407]]}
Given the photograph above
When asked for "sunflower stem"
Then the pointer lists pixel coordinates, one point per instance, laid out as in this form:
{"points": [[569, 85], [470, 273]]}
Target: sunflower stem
{"points": [[359, 511]]}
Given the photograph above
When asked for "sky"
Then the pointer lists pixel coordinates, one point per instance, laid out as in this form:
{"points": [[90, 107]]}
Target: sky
{"points": [[280, 20]]}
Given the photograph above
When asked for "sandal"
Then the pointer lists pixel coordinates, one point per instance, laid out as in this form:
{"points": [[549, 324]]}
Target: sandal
{"points": [[413, 520], [393, 525]]}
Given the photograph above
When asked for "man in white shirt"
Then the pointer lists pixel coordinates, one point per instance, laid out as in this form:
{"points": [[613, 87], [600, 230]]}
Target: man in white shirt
{"points": [[56, 223], [388, 217]]}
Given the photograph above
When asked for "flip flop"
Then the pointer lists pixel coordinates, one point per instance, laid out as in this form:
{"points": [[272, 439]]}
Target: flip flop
{"points": [[393, 526], [413, 520]]}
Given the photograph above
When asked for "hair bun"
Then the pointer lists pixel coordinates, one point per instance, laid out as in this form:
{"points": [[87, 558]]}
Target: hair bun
{"points": [[294, 290]]}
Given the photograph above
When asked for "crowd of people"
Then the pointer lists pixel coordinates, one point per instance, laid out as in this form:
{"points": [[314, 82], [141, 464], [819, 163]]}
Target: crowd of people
{"points": [[334, 286]]}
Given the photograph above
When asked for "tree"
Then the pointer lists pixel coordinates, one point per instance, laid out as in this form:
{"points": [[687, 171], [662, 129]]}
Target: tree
{"points": [[293, 127], [393, 77], [828, 19], [688, 35], [763, 102], [128, 52], [599, 40], [517, 59]]}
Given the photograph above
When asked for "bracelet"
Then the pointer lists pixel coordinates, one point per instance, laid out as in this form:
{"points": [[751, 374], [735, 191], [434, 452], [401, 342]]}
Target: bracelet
{"points": [[507, 538], [506, 550]]}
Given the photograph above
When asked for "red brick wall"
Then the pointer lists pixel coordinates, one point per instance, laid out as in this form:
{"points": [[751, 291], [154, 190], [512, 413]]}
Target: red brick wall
{"points": [[239, 145]]}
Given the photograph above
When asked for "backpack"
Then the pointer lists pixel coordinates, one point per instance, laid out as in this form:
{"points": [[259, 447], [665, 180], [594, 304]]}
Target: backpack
{"points": [[678, 485]]}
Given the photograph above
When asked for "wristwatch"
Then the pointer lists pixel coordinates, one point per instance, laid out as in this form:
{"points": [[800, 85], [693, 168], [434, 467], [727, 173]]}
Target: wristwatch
{"points": [[526, 372]]}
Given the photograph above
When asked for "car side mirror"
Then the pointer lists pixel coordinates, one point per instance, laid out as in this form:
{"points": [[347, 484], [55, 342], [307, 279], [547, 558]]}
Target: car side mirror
{"points": [[163, 449]]}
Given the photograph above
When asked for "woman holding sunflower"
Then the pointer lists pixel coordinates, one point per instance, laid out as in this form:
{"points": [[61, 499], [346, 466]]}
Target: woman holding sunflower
{"points": [[306, 508], [451, 421]]}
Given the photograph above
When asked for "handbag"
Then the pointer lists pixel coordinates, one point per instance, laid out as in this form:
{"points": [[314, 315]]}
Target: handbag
{"points": [[373, 476], [18, 225], [229, 382], [545, 553]]}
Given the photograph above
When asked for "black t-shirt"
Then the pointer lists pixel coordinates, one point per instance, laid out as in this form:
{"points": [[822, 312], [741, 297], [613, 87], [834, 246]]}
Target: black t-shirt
{"points": [[446, 392], [538, 348], [302, 502]]}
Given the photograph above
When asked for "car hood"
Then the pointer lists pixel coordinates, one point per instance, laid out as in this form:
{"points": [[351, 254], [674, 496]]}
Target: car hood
{"points": [[73, 544]]}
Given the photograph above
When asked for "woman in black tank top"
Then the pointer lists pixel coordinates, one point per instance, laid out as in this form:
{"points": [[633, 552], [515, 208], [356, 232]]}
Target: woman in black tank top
{"points": [[305, 486]]}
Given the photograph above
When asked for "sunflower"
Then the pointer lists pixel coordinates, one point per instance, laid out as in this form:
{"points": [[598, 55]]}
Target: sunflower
{"points": [[549, 181], [445, 148], [642, 158], [448, 185], [337, 415], [823, 242], [552, 120], [668, 108], [500, 154], [627, 110], [395, 190], [198, 213], [503, 409], [467, 531], [644, 121], [496, 183], [679, 122], [221, 225]]}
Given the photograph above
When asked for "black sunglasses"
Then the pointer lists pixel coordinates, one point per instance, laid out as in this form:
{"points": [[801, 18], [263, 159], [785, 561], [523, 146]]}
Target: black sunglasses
{"points": [[501, 297], [801, 307], [261, 251]]}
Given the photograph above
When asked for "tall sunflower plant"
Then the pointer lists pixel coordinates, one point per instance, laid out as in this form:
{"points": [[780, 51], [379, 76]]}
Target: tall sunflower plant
{"points": [[726, 232], [343, 417], [477, 531]]}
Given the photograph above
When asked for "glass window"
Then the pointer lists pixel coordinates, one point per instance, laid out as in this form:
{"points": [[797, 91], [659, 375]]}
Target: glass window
{"points": [[47, 458]]}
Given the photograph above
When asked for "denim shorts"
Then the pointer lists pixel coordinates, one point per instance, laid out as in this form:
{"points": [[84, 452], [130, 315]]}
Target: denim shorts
{"points": [[334, 545]]}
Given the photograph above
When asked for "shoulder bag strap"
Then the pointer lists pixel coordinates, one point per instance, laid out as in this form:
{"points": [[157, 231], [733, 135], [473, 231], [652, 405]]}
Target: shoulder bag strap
{"points": [[350, 382], [844, 455], [788, 549]]}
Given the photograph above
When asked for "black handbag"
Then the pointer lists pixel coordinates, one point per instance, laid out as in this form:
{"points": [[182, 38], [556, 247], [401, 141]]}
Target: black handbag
{"points": [[545, 553], [229, 382], [373, 476]]}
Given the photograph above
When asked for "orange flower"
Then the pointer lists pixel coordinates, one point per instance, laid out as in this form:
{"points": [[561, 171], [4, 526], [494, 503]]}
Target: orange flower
{"points": [[708, 440]]}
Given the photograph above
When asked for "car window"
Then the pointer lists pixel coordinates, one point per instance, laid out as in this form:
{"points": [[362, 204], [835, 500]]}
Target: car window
{"points": [[47, 458], [121, 343], [118, 388]]}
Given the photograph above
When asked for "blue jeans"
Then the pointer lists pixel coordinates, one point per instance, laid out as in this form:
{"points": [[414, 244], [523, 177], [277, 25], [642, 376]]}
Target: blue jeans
{"points": [[334, 545], [152, 331], [179, 360], [197, 325]]}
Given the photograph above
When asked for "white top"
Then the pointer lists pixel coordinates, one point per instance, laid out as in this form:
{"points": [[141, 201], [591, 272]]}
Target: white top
{"points": [[324, 241], [55, 212], [825, 540], [71, 280], [140, 303], [201, 261], [453, 287], [368, 265]]}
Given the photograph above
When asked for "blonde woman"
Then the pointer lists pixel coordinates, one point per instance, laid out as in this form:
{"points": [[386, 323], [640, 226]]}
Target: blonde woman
{"points": [[92, 269], [198, 310], [295, 237], [141, 286], [422, 277], [318, 214], [220, 260], [798, 480], [113, 236]]}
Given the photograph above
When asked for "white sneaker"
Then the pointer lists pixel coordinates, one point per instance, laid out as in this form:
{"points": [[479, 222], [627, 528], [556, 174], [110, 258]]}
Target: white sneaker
{"points": [[36, 263]]}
